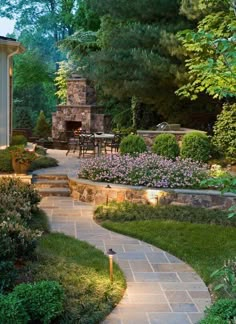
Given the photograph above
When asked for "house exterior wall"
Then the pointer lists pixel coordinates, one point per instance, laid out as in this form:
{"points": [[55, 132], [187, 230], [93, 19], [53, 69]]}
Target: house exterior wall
{"points": [[4, 100], [8, 48]]}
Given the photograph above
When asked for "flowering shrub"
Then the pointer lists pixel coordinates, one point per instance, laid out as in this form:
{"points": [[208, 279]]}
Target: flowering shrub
{"points": [[17, 240], [145, 169], [18, 196]]}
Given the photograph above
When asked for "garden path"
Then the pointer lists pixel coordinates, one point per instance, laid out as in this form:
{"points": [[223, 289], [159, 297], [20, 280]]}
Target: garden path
{"points": [[160, 288]]}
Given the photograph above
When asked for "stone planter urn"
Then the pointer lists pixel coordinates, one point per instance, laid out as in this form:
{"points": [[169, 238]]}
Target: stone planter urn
{"points": [[22, 159], [20, 168]]}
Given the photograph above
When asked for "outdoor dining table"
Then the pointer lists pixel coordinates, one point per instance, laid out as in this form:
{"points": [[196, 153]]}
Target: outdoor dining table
{"points": [[100, 139]]}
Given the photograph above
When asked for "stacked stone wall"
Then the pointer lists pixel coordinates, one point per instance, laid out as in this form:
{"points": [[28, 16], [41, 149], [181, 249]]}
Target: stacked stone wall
{"points": [[100, 193]]}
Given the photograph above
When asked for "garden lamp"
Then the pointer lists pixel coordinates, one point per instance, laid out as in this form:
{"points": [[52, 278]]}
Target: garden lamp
{"points": [[111, 253], [107, 187]]}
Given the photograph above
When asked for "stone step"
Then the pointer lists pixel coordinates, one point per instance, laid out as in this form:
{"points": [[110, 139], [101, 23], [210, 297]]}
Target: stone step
{"points": [[50, 176], [45, 183], [46, 192]]}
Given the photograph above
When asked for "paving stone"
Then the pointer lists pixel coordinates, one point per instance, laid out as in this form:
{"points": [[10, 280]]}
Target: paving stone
{"points": [[195, 317], [199, 294], [146, 298], [183, 307], [128, 274], [137, 247], [157, 257], [156, 249], [124, 264], [176, 267], [172, 258], [145, 288], [140, 266], [120, 241], [156, 276], [183, 286], [202, 303], [134, 318], [168, 318], [140, 308], [178, 297], [131, 256], [189, 277]]}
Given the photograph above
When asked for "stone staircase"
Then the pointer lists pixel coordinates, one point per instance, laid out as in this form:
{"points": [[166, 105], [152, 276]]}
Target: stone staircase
{"points": [[52, 185]]}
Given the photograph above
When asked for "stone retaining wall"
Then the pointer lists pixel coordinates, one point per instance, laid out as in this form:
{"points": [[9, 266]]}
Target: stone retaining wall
{"points": [[100, 193]]}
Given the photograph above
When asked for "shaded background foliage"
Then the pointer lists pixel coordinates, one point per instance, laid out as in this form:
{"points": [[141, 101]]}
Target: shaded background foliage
{"points": [[130, 51]]}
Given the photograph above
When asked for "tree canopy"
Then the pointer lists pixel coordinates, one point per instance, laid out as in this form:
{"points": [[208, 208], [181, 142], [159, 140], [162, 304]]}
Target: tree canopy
{"points": [[211, 52]]}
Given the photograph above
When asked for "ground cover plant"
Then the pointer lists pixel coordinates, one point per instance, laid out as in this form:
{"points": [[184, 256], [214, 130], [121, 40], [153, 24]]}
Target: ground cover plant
{"points": [[203, 246], [127, 211], [145, 169]]}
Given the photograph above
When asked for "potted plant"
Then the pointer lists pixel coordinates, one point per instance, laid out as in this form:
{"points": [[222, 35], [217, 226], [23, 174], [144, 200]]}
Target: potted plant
{"points": [[21, 159]]}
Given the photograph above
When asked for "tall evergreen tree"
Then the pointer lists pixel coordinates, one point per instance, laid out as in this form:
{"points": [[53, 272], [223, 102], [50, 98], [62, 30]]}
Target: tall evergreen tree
{"points": [[42, 127], [139, 53]]}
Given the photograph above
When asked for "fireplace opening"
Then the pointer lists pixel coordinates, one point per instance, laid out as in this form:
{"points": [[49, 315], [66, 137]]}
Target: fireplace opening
{"points": [[72, 126]]}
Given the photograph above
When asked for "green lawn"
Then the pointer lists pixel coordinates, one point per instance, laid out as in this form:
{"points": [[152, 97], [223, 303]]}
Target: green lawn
{"points": [[203, 246]]}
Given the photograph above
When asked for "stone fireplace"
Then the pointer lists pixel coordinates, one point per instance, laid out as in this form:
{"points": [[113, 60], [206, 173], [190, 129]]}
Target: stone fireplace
{"points": [[80, 111]]}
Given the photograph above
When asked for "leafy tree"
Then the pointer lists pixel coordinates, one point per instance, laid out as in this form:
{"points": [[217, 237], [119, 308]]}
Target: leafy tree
{"points": [[34, 83], [211, 50], [61, 76], [51, 17]]}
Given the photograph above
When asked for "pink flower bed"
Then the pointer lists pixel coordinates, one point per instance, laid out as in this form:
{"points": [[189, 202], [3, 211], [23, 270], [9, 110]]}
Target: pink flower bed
{"points": [[146, 169]]}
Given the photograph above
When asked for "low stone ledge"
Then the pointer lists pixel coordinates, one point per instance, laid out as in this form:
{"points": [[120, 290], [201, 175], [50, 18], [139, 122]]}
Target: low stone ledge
{"points": [[101, 192]]}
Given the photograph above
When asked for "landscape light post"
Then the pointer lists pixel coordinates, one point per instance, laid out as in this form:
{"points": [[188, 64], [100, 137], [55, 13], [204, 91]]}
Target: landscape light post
{"points": [[107, 196], [111, 253]]}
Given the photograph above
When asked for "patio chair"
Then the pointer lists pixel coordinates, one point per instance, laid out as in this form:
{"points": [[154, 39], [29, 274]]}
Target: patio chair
{"points": [[113, 144], [87, 144], [73, 144]]}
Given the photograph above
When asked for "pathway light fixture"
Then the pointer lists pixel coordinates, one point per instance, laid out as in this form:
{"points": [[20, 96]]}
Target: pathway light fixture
{"points": [[111, 253]]}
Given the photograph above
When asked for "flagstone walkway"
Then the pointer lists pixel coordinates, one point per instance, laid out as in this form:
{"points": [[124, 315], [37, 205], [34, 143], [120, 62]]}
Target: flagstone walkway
{"points": [[160, 288]]}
